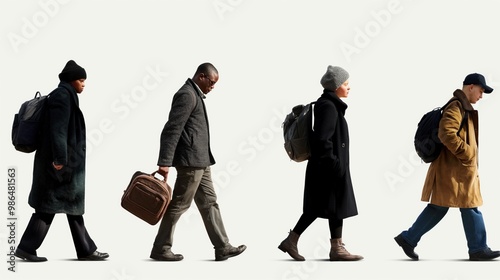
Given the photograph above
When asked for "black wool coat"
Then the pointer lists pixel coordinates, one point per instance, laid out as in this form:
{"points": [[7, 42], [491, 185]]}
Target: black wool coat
{"points": [[63, 142], [328, 191]]}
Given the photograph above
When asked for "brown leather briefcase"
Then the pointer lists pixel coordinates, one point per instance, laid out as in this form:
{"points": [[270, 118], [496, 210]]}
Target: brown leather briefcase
{"points": [[147, 197]]}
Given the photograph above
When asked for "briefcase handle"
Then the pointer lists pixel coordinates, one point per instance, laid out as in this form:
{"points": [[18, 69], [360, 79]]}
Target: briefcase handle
{"points": [[156, 172]]}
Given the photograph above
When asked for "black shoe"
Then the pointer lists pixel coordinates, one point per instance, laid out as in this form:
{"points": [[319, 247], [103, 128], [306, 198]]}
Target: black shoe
{"points": [[29, 257], [166, 256], [228, 252], [96, 256], [407, 248], [484, 255]]}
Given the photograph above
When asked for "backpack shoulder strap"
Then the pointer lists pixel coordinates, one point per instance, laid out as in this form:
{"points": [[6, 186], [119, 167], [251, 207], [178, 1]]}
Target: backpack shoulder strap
{"points": [[449, 102], [464, 120], [464, 117]]}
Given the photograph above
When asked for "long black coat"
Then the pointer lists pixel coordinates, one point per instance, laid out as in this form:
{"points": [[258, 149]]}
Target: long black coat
{"points": [[328, 191], [63, 142]]}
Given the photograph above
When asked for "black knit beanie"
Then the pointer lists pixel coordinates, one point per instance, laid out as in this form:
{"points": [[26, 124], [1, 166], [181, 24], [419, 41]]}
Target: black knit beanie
{"points": [[72, 72]]}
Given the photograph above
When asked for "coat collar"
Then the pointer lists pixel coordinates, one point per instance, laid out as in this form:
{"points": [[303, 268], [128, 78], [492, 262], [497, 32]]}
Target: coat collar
{"points": [[72, 92], [463, 100], [196, 87], [336, 100], [67, 86]]}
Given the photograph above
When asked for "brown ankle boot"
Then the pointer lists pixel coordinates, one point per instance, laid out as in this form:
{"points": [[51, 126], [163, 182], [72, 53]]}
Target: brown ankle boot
{"points": [[289, 245], [339, 253]]}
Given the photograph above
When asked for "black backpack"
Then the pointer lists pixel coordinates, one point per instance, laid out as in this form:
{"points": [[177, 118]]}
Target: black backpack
{"points": [[27, 124], [427, 143], [297, 127]]}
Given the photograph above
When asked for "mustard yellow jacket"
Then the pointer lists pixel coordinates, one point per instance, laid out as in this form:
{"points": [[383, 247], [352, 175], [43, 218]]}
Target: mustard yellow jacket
{"points": [[452, 179]]}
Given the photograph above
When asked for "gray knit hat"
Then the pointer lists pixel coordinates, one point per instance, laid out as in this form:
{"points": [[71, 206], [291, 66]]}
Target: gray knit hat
{"points": [[334, 77]]}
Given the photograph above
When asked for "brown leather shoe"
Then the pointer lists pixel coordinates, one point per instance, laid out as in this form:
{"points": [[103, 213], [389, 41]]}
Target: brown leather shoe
{"points": [[228, 252], [289, 245], [339, 253]]}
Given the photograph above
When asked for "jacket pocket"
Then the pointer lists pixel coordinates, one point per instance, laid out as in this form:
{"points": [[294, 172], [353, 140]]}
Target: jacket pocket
{"points": [[63, 176]]}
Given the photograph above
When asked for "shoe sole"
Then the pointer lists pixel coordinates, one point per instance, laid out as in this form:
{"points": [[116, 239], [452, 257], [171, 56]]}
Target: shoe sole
{"points": [[31, 260], [24, 258], [92, 259], [475, 259], [481, 260], [347, 260], [163, 259]]}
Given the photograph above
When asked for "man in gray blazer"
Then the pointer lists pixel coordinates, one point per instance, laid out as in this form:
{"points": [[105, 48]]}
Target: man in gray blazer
{"points": [[185, 145]]}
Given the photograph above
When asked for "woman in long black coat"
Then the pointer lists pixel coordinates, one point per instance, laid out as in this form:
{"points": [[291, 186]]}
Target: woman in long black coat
{"points": [[59, 170], [328, 191]]}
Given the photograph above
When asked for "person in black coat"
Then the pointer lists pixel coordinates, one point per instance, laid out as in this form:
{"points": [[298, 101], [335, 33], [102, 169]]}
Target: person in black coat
{"points": [[59, 170], [328, 190]]}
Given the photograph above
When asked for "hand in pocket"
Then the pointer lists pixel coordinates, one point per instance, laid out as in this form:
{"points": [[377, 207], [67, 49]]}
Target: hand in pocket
{"points": [[61, 173]]}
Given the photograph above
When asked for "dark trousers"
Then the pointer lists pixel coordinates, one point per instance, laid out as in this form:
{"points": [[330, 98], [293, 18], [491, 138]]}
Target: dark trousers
{"points": [[39, 225]]}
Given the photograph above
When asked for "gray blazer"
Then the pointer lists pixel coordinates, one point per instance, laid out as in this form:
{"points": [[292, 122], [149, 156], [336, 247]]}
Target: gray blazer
{"points": [[185, 139]]}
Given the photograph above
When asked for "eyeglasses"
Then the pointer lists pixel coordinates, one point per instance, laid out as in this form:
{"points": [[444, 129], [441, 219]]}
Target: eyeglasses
{"points": [[211, 82]]}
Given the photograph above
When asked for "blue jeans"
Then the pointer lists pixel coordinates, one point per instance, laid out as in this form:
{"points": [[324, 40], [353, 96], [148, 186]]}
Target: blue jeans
{"points": [[472, 220]]}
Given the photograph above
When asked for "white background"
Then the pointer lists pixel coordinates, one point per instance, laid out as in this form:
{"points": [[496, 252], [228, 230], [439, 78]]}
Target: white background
{"points": [[404, 57]]}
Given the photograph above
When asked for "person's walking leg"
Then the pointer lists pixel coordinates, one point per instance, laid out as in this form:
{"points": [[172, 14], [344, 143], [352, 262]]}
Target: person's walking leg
{"points": [[430, 217], [186, 185], [475, 233], [338, 252], [84, 245], [206, 201], [33, 236], [303, 223], [289, 244]]}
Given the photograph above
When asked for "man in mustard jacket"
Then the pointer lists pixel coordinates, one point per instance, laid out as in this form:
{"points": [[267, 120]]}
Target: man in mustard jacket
{"points": [[452, 179]]}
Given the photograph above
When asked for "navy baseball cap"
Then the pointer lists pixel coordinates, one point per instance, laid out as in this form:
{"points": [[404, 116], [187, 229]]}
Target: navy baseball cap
{"points": [[477, 79]]}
